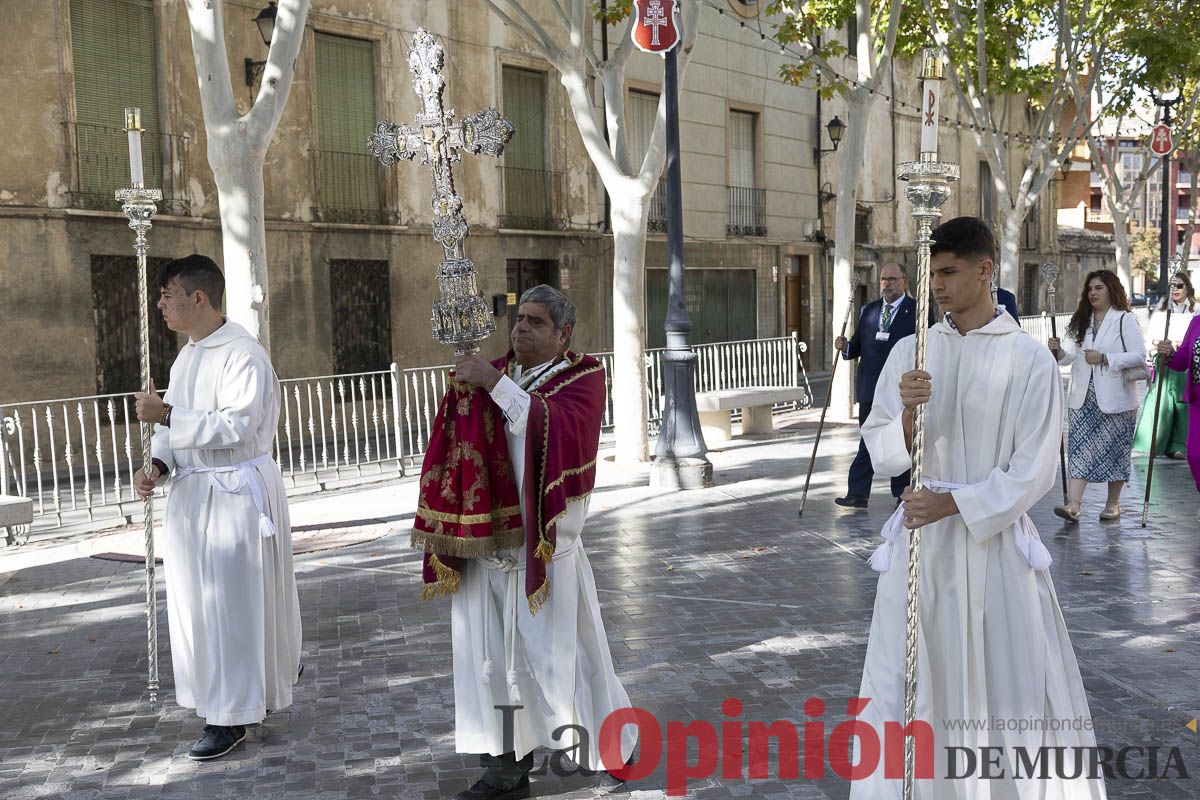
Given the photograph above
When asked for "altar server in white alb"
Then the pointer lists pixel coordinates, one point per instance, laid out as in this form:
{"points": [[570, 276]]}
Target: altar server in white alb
{"points": [[996, 666], [232, 606]]}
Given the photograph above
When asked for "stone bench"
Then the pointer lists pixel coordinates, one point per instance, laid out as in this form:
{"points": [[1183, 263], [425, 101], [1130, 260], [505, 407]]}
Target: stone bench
{"points": [[14, 511], [716, 409]]}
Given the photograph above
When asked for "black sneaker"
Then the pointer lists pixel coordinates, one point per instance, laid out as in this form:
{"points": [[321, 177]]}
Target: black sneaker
{"points": [[851, 501], [217, 741], [485, 791]]}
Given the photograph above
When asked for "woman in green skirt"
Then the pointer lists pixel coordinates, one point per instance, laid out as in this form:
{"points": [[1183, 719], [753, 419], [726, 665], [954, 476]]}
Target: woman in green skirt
{"points": [[1172, 413]]}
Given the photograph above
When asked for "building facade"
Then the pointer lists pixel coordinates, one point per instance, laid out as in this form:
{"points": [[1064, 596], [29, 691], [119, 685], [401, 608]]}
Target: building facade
{"points": [[350, 256]]}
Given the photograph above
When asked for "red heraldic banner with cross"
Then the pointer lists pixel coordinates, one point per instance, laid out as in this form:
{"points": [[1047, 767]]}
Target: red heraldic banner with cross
{"points": [[655, 27]]}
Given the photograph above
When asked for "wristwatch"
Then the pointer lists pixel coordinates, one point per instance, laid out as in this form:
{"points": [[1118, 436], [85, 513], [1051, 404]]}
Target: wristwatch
{"points": [[165, 417]]}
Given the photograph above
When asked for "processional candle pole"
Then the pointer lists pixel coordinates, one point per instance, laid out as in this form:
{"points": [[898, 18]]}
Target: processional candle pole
{"points": [[928, 188], [1160, 377], [138, 203], [1050, 278]]}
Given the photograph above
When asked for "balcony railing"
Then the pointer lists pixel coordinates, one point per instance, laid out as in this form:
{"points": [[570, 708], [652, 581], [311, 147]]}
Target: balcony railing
{"points": [[102, 163], [747, 212], [347, 187], [656, 221], [533, 199]]}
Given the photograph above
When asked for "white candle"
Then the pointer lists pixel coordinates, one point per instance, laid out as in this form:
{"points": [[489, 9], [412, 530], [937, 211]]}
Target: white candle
{"points": [[931, 104], [133, 126]]}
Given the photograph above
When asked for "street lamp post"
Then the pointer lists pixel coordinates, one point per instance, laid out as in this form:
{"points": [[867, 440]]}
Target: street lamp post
{"points": [[1167, 229], [266, 28]]}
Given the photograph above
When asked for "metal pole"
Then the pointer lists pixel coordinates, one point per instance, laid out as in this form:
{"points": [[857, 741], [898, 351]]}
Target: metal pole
{"points": [[928, 189], [1050, 278], [812, 459], [679, 458], [138, 203], [1167, 231]]}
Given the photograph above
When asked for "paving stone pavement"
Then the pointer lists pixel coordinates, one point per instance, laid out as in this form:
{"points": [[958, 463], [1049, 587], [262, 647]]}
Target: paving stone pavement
{"points": [[706, 595]]}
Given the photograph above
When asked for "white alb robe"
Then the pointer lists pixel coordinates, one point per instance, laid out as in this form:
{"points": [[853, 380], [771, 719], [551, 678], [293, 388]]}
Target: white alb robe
{"points": [[232, 606], [556, 664], [992, 641]]}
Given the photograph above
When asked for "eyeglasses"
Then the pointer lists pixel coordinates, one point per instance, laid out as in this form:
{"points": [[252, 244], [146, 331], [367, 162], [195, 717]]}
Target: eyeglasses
{"points": [[1178, 286], [890, 280]]}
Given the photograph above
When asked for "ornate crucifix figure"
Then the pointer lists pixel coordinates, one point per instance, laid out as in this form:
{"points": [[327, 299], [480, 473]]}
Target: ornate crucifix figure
{"points": [[461, 317]]}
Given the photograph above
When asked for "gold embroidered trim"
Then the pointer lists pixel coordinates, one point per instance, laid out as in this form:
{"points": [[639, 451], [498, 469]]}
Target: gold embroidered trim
{"points": [[572, 379], [483, 547], [568, 473], [497, 515], [447, 583], [538, 599], [543, 542]]}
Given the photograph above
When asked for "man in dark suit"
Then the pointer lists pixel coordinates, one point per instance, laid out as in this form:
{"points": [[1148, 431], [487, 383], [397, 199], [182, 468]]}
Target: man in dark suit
{"points": [[880, 325], [1009, 300]]}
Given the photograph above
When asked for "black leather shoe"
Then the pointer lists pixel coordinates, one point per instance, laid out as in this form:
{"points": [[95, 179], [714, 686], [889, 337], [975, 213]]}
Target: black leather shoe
{"points": [[851, 501], [485, 791], [217, 741]]}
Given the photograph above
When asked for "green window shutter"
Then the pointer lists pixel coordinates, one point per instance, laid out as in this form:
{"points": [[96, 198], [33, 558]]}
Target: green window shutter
{"points": [[113, 47], [525, 106], [348, 173], [526, 183]]}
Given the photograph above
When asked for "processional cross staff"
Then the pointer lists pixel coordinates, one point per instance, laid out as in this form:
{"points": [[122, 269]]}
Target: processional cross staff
{"points": [[1176, 266], [928, 188], [460, 316], [138, 203], [1050, 278]]}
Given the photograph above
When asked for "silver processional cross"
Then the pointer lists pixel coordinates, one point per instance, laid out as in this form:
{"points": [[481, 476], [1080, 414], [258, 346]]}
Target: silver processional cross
{"points": [[461, 317]]}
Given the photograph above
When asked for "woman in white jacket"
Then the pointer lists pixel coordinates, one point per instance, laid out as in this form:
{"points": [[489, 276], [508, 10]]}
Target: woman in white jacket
{"points": [[1103, 341]]}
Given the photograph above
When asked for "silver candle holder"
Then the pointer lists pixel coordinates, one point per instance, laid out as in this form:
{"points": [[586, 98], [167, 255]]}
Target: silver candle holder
{"points": [[139, 205], [927, 188]]}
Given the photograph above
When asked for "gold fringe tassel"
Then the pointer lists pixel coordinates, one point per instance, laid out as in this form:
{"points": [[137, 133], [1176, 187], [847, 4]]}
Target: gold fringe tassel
{"points": [[459, 547], [447, 583], [545, 550], [539, 598]]}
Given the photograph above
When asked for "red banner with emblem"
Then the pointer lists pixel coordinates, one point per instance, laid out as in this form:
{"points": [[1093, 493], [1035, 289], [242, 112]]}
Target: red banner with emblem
{"points": [[655, 25]]}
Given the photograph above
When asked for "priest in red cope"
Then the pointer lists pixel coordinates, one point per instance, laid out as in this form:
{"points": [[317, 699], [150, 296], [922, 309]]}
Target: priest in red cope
{"points": [[500, 520]]}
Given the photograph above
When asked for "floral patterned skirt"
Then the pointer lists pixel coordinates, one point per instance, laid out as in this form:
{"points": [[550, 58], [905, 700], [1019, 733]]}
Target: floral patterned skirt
{"points": [[1098, 444]]}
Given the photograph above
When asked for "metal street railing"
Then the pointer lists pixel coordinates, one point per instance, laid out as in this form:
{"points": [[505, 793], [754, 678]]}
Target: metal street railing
{"points": [[75, 457]]}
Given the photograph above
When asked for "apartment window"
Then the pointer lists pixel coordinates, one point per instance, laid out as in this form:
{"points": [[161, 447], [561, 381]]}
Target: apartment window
{"points": [[533, 195], [115, 315], [747, 202], [862, 227], [113, 52], [852, 35], [1029, 230], [641, 111], [361, 302], [1030, 278], [987, 194], [347, 175]]}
